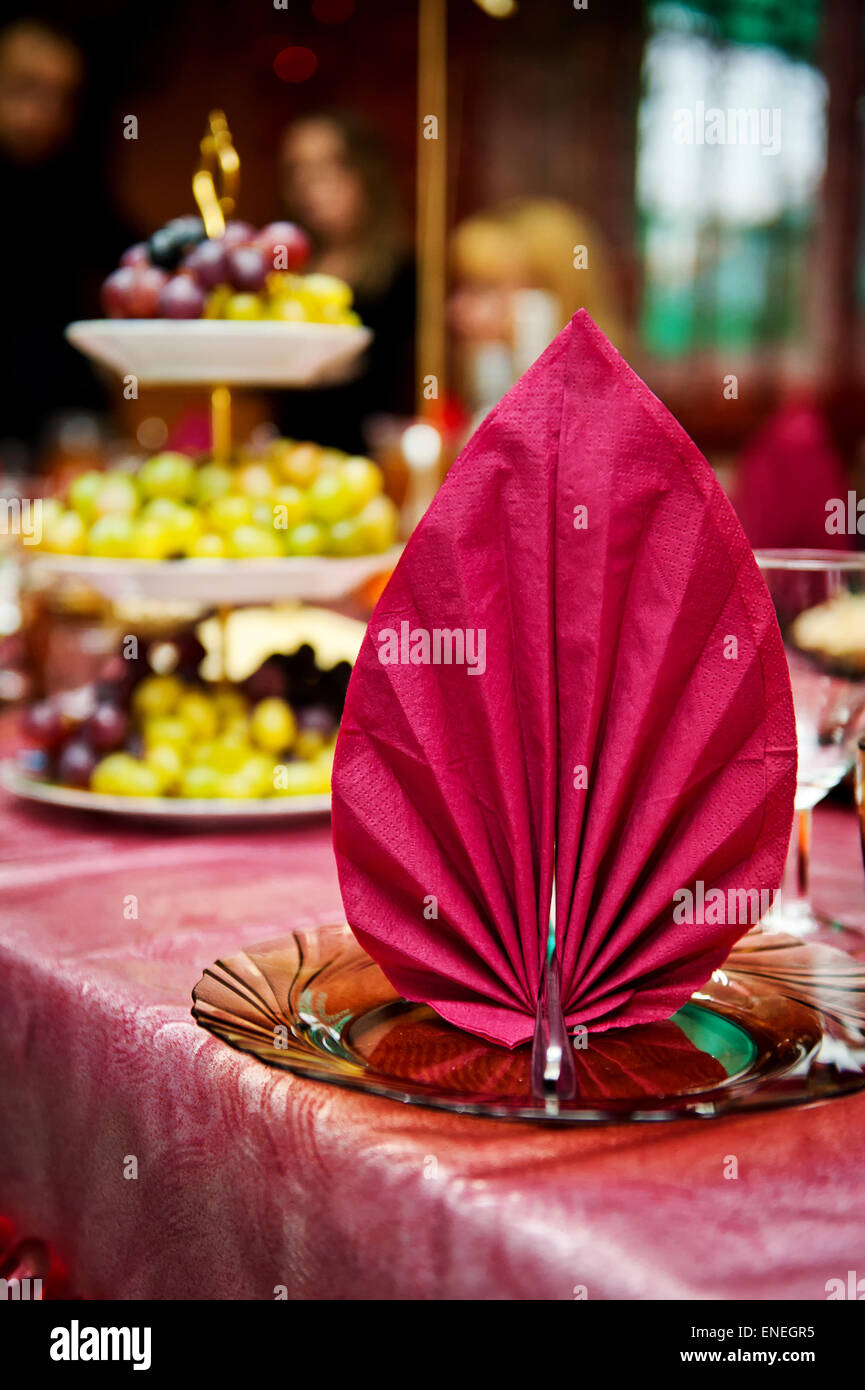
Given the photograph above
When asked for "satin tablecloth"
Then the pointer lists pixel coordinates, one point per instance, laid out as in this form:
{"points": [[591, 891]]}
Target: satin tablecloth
{"points": [[249, 1179]]}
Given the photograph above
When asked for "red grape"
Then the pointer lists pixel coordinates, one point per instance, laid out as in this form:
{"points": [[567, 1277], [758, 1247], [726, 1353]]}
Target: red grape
{"points": [[107, 728], [181, 298], [246, 268], [236, 233], [207, 264], [285, 246], [316, 719], [116, 291], [136, 255], [143, 296], [43, 725], [76, 763]]}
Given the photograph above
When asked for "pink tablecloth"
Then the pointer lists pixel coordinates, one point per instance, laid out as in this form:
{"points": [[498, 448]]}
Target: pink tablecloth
{"points": [[248, 1178]]}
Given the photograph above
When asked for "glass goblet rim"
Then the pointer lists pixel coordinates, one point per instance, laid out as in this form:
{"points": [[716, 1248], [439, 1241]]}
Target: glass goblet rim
{"points": [[818, 561]]}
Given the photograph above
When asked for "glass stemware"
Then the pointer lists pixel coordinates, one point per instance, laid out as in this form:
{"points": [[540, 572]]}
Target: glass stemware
{"points": [[860, 790], [819, 599]]}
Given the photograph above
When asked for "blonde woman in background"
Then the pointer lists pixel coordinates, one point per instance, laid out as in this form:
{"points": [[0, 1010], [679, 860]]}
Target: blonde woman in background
{"points": [[521, 270]]}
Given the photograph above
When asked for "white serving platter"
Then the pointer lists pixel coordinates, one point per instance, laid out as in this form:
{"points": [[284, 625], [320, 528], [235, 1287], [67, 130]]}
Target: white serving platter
{"points": [[167, 810], [316, 579], [164, 352]]}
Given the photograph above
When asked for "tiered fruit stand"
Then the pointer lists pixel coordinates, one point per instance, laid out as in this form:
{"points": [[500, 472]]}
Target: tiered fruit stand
{"points": [[220, 355]]}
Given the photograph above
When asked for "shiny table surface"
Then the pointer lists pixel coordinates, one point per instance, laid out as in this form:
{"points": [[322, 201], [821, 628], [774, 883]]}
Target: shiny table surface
{"points": [[163, 1164]]}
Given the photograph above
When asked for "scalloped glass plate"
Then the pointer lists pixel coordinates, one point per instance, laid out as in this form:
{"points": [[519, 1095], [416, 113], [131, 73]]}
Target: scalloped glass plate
{"points": [[780, 1024]]}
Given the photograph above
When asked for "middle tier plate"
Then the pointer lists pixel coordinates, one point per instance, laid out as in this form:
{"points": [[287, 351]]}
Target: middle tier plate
{"points": [[317, 579]]}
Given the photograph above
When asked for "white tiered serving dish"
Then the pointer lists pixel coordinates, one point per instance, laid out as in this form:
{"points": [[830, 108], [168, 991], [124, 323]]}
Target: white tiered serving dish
{"points": [[316, 579], [167, 352], [190, 814]]}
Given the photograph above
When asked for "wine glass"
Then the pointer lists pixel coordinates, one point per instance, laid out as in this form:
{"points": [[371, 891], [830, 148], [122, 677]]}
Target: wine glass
{"points": [[819, 599], [860, 790]]}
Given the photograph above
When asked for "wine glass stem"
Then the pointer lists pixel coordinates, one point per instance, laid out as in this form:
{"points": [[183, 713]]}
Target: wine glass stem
{"points": [[803, 855]]}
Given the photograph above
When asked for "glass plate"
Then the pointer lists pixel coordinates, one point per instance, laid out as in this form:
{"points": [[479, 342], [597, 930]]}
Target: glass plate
{"points": [[780, 1024]]}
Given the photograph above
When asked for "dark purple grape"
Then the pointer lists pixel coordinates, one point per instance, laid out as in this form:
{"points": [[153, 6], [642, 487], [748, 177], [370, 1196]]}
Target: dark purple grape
{"points": [[207, 263], [171, 243], [266, 682], [107, 728], [190, 654], [43, 725], [181, 298], [76, 763], [316, 719], [246, 268]]}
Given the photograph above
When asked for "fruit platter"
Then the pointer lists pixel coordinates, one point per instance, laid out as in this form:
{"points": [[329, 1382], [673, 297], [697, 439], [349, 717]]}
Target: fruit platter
{"points": [[184, 307], [283, 520], [167, 744]]}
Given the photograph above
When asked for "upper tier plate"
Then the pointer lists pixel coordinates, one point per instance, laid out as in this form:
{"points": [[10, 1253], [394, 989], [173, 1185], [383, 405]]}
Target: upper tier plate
{"points": [[163, 352], [317, 578]]}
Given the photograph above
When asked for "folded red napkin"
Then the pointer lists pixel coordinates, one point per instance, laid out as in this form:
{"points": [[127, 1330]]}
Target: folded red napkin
{"points": [[574, 673], [787, 475]]}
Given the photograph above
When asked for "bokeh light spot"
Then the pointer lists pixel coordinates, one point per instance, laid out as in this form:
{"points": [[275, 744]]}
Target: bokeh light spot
{"points": [[295, 64], [333, 11]]}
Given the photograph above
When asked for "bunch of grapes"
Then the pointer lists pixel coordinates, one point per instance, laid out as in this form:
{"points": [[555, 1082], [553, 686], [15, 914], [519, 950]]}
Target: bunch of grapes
{"points": [[141, 733], [292, 499], [180, 273]]}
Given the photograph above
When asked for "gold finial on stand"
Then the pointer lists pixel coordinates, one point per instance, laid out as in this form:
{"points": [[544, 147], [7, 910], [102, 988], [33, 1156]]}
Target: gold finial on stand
{"points": [[217, 178], [214, 186]]}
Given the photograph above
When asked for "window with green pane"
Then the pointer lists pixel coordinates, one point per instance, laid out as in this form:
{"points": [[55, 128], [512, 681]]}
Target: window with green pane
{"points": [[732, 141]]}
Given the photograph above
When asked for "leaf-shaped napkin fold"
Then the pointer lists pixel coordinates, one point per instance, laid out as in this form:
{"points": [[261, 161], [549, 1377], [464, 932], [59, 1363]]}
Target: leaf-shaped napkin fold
{"points": [[574, 674]]}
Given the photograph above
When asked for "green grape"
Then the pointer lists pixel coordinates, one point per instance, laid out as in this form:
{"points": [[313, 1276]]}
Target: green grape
{"points": [[168, 475], [330, 497], [307, 539], [326, 289], [122, 775], [152, 540], [112, 537], [253, 779], [184, 526], [364, 481], [245, 306], [254, 480], [300, 779], [230, 703], [210, 546], [168, 729], [200, 715], [213, 480], [201, 783], [273, 726], [253, 543], [290, 507], [83, 492], [347, 537], [118, 496], [228, 512], [156, 696], [166, 763], [65, 534], [380, 521]]}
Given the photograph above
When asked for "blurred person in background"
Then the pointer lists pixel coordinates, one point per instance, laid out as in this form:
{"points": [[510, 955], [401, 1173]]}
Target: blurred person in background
{"points": [[56, 239], [337, 183], [521, 271]]}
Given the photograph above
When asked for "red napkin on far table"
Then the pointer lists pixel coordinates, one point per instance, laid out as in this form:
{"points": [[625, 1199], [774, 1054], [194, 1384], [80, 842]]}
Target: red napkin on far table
{"points": [[574, 673], [786, 477]]}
